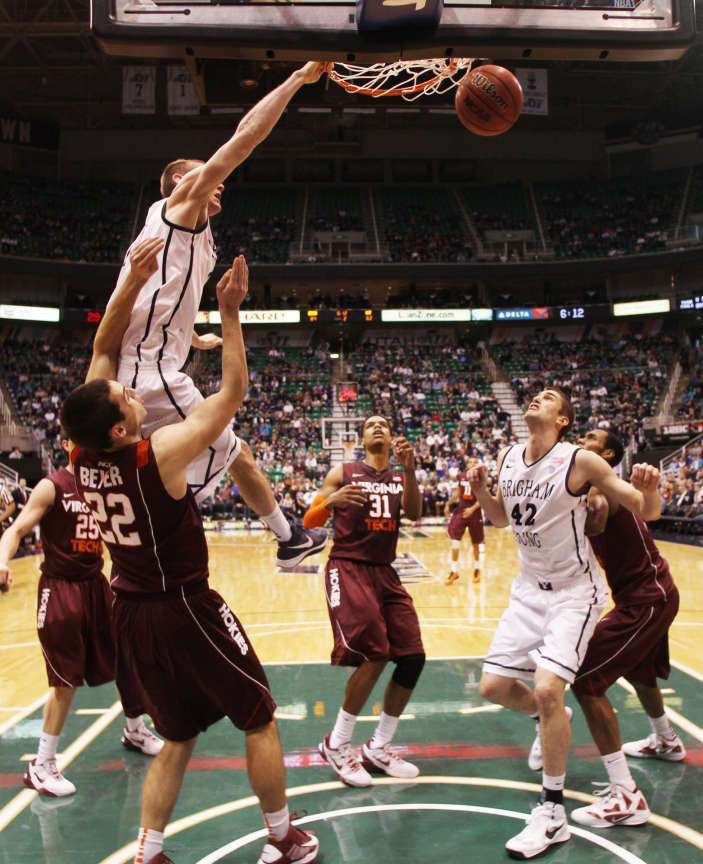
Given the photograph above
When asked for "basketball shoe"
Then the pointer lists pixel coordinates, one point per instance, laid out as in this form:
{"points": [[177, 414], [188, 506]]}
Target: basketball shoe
{"points": [[451, 579], [297, 845], [546, 826], [387, 760], [141, 739], [344, 763], [47, 779], [616, 806], [654, 747], [303, 542], [534, 759], [476, 576], [159, 859]]}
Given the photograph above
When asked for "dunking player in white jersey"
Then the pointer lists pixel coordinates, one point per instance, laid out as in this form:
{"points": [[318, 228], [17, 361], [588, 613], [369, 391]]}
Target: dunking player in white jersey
{"points": [[160, 332], [557, 597]]}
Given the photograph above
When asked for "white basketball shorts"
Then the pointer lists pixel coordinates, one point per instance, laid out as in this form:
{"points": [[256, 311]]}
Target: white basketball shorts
{"points": [[169, 396], [547, 628]]}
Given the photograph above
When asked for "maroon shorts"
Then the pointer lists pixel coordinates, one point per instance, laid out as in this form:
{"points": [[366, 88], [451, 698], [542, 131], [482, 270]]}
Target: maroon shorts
{"points": [[629, 642], [458, 525], [187, 659], [74, 624], [373, 617]]}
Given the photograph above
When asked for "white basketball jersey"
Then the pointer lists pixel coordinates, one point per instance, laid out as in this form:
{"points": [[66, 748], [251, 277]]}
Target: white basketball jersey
{"points": [[161, 325], [547, 520]]}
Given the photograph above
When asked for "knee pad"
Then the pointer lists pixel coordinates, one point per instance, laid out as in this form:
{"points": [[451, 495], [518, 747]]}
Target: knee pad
{"points": [[407, 670]]}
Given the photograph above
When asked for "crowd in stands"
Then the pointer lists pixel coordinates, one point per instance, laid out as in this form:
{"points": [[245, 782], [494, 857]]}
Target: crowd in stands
{"points": [[691, 395], [91, 221], [605, 218], [614, 382], [439, 398]]}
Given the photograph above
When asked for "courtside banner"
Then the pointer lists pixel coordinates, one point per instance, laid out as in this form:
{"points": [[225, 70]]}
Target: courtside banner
{"points": [[255, 316], [438, 316]]}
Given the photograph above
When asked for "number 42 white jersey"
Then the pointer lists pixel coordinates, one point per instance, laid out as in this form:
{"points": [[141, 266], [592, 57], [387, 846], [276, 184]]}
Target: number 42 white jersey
{"points": [[548, 521]]}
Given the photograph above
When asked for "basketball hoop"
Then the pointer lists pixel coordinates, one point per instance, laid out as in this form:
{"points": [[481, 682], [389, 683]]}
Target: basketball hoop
{"points": [[407, 78], [349, 448]]}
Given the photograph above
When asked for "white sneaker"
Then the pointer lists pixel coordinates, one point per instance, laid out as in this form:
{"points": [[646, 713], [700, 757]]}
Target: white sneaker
{"points": [[534, 759], [617, 806], [345, 764], [654, 747], [546, 826], [47, 779], [142, 739], [386, 760]]}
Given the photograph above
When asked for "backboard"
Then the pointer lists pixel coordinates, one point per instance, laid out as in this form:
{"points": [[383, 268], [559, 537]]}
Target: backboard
{"points": [[598, 30]]}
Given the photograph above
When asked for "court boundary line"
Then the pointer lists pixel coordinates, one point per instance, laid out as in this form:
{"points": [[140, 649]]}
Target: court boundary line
{"points": [[683, 722], [122, 855], [24, 798], [23, 713]]}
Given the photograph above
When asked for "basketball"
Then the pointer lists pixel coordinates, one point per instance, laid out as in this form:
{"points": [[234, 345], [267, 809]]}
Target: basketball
{"points": [[488, 100]]}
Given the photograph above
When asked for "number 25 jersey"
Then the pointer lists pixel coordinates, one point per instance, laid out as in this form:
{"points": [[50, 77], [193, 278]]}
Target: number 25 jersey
{"points": [[548, 521]]}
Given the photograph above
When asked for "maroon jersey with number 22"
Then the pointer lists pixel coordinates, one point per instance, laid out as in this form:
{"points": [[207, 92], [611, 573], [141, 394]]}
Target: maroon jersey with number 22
{"points": [[145, 529], [369, 533]]}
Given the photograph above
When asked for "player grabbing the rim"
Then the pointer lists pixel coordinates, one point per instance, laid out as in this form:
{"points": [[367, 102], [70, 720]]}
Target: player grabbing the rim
{"points": [[631, 641], [160, 333], [372, 615], [179, 645], [74, 602], [559, 593], [467, 515]]}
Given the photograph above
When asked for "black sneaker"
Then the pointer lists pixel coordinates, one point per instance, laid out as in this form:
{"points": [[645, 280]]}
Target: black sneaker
{"points": [[303, 542]]}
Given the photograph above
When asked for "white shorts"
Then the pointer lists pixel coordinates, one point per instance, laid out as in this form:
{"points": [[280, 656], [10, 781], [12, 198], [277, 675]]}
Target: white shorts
{"points": [[169, 396], [546, 628]]}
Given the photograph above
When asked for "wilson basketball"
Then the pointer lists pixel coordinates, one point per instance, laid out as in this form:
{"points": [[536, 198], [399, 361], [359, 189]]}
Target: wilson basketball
{"points": [[488, 100]]}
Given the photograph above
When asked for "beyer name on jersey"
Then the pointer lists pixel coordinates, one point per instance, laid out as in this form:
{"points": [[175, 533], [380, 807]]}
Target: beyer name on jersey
{"points": [[101, 478]]}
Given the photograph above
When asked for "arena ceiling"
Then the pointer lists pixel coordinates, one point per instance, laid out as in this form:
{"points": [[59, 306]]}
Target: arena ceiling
{"points": [[51, 67]]}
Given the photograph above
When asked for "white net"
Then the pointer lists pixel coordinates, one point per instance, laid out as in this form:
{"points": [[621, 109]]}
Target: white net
{"points": [[407, 78]]}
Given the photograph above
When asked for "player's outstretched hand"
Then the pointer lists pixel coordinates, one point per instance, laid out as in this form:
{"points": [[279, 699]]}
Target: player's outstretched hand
{"points": [[645, 478], [478, 477], [207, 341], [350, 495], [404, 453], [143, 258], [312, 71], [5, 579], [233, 287]]}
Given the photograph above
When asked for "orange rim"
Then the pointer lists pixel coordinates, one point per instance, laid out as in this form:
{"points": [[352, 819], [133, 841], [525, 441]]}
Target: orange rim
{"points": [[450, 68]]}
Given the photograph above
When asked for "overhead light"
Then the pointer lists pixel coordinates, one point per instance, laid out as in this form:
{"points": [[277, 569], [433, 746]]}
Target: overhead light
{"points": [[334, 356], [248, 83]]}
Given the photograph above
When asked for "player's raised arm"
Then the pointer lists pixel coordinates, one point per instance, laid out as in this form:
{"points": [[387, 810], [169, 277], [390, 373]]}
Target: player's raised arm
{"points": [[143, 262], [199, 183], [177, 444], [640, 495], [492, 505], [412, 497], [41, 499]]}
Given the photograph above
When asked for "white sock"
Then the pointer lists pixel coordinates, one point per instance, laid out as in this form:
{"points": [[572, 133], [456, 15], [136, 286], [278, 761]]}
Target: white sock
{"points": [[278, 523], [343, 729], [149, 844], [133, 723], [618, 771], [277, 823], [661, 726], [454, 567], [385, 730], [48, 744], [555, 783]]}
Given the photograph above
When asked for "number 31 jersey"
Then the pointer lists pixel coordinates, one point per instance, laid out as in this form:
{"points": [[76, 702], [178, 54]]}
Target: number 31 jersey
{"points": [[369, 533], [156, 542], [547, 520]]}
